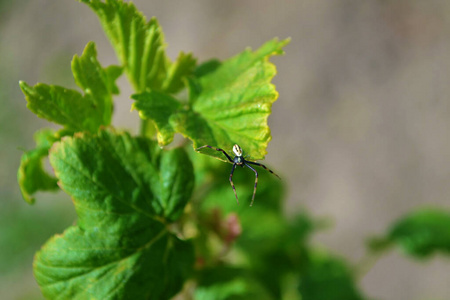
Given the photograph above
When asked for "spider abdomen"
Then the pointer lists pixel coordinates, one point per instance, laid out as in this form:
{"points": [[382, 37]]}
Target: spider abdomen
{"points": [[238, 160]]}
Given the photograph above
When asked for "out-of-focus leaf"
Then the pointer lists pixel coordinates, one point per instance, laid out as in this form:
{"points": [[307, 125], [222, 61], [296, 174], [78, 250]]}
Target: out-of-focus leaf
{"points": [[232, 104], [140, 47], [206, 67], [269, 192], [269, 245], [325, 277], [70, 108], [274, 246], [113, 73], [223, 283], [31, 175], [125, 190], [420, 234]]}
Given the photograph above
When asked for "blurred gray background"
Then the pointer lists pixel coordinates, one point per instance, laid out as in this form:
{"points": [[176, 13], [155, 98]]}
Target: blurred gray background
{"points": [[360, 130]]}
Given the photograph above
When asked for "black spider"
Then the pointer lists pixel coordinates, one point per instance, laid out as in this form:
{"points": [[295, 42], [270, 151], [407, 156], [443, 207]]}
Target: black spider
{"points": [[239, 160]]}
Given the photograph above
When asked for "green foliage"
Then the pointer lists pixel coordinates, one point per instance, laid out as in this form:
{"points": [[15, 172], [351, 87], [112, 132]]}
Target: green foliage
{"points": [[125, 190], [149, 226], [420, 234], [31, 175], [229, 283], [140, 47], [327, 277], [71, 109], [233, 103], [227, 105], [158, 107]]}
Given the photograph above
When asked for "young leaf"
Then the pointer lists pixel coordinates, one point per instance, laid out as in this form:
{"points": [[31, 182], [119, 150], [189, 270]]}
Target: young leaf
{"points": [[97, 83], [68, 107], [124, 190], [232, 104], [181, 68], [31, 175], [420, 233], [157, 107], [140, 47]]}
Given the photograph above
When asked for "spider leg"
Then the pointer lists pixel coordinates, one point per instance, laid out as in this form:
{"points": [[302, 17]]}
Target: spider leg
{"points": [[217, 149], [232, 184], [261, 165], [256, 182]]}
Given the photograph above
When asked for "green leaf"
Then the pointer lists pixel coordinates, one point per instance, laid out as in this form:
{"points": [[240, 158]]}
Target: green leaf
{"points": [[206, 67], [325, 277], [266, 237], [125, 190], [124, 168], [157, 107], [181, 68], [68, 107], [223, 283], [97, 83], [113, 73], [140, 47], [232, 104], [31, 175], [421, 233], [177, 182]]}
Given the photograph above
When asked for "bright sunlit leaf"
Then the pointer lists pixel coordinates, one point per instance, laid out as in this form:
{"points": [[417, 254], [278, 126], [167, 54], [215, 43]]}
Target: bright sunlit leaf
{"points": [[140, 47], [232, 104]]}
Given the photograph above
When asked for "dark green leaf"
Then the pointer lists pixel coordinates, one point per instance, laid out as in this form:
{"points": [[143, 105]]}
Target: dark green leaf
{"points": [[228, 283], [325, 277], [273, 246], [267, 239], [140, 47], [31, 175], [68, 107], [158, 107], [207, 67], [420, 233], [233, 103], [177, 182], [125, 190]]}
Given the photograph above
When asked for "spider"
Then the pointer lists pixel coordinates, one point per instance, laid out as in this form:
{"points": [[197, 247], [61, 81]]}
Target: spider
{"points": [[239, 160]]}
